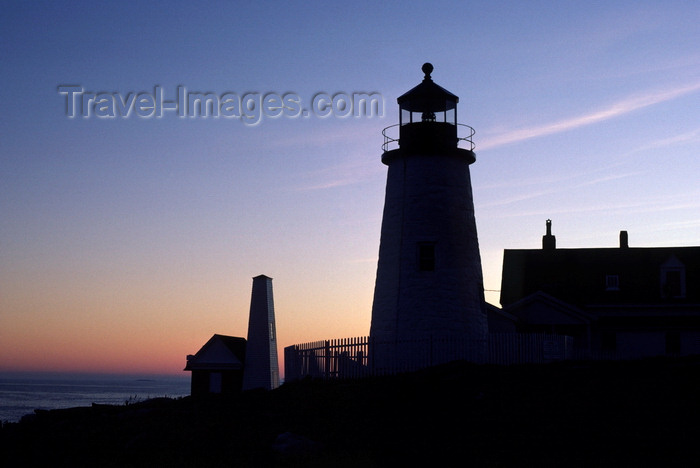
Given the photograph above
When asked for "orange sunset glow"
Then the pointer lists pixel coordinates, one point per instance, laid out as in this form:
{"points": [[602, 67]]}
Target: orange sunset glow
{"points": [[130, 233]]}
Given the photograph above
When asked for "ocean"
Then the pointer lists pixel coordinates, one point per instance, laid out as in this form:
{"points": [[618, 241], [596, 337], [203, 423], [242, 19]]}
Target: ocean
{"points": [[21, 394]]}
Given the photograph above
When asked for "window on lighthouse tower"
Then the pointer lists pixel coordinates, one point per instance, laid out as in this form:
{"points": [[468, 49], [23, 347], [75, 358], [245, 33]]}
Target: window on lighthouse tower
{"points": [[426, 256]]}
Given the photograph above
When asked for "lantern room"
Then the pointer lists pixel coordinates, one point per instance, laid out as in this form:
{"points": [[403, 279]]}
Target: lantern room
{"points": [[428, 102], [428, 120]]}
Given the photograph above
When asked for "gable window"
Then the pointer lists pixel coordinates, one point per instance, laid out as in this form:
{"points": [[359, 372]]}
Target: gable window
{"points": [[612, 283], [426, 256]]}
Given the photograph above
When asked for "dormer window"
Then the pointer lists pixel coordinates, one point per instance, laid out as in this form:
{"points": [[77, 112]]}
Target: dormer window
{"points": [[612, 283]]}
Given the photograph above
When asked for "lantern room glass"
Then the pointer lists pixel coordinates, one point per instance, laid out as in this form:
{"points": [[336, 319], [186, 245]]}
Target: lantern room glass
{"points": [[447, 114]]}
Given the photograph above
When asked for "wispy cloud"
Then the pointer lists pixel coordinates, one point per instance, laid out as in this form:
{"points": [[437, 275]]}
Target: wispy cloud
{"points": [[557, 184], [518, 198], [616, 109], [351, 171], [692, 136], [607, 178], [652, 204], [547, 179], [325, 136]]}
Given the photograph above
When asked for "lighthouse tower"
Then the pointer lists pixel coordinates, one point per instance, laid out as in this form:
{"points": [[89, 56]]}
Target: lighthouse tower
{"points": [[429, 285]]}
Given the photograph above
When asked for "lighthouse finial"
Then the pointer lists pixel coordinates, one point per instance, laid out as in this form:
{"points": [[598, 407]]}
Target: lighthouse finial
{"points": [[427, 68]]}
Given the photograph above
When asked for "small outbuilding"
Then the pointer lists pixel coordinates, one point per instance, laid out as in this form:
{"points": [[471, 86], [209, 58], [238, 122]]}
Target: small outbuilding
{"points": [[217, 368]]}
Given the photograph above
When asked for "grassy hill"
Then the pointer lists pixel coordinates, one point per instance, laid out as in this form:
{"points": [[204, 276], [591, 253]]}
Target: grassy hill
{"points": [[637, 413]]}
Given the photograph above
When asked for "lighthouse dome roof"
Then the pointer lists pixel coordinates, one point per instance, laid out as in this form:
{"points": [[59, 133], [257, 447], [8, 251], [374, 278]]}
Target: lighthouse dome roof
{"points": [[427, 96]]}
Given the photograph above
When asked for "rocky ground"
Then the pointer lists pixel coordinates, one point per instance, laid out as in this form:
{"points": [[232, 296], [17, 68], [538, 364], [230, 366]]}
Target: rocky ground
{"points": [[640, 413]]}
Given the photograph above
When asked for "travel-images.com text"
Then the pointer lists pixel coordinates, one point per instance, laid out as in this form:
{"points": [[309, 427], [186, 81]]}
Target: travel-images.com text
{"points": [[250, 108]]}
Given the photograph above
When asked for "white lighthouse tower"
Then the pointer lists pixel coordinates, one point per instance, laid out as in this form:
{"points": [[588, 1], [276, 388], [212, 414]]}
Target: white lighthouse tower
{"points": [[429, 288]]}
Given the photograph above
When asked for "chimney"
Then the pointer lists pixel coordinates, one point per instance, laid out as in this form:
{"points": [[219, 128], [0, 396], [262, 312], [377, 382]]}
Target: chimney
{"points": [[624, 243], [549, 242]]}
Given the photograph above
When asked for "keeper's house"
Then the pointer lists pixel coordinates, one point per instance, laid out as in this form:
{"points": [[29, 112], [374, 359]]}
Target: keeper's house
{"points": [[622, 302]]}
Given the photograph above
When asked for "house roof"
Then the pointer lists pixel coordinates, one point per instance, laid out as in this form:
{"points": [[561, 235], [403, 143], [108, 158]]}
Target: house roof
{"points": [[543, 308], [578, 276], [497, 311], [221, 352]]}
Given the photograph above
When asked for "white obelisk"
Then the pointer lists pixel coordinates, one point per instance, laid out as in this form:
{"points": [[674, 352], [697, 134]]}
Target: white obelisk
{"points": [[261, 363]]}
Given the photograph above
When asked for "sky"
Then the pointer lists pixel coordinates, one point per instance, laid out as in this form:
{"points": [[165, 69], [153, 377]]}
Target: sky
{"points": [[130, 235]]}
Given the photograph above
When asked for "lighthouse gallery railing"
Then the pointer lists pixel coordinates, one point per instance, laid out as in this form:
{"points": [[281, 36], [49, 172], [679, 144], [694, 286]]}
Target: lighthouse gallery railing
{"points": [[391, 142]]}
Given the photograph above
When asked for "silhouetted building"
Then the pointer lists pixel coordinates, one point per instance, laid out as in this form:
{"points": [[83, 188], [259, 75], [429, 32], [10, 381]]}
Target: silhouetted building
{"points": [[626, 302], [429, 282], [228, 364], [217, 368], [261, 364]]}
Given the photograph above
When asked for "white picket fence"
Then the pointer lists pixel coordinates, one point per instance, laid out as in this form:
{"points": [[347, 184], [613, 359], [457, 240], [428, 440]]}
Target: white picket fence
{"points": [[361, 356]]}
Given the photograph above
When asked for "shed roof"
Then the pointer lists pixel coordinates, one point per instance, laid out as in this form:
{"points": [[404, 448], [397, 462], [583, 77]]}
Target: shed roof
{"points": [[221, 352]]}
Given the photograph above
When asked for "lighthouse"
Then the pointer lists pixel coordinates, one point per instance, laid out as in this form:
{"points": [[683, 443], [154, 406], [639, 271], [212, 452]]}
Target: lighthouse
{"points": [[429, 284]]}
